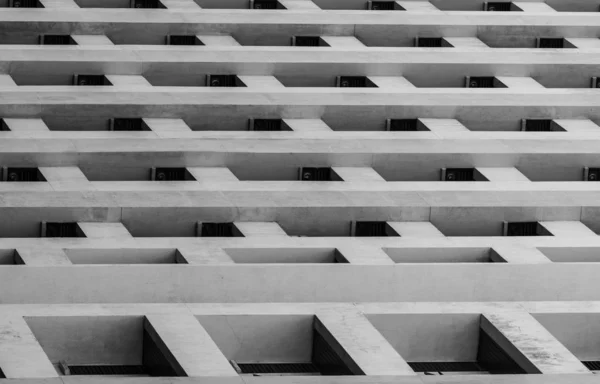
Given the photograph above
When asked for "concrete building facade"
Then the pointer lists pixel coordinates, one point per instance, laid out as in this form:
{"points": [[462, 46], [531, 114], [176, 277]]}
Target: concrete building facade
{"points": [[296, 191]]}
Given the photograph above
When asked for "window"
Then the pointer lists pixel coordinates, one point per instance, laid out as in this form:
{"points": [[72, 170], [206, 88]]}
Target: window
{"points": [[123, 370], [458, 174], [430, 42], [21, 175], [591, 174], [88, 80], [2, 375], [265, 4], [216, 229], [400, 125], [439, 368], [170, 174], [592, 365], [56, 40], [127, 124], [370, 229], [307, 41], [527, 228], [183, 40], [353, 82], [25, 4], [479, 82], [224, 81], [536, 125], [497, 6], [145, 4], [265, 125], [595, 82], [315, 174], [61, 230], [550, 42], [384, 6]]}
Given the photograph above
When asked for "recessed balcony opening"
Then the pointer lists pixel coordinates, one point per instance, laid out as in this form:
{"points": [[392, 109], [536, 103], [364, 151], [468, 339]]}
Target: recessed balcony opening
{"points": [[445, 344], [443, 255], [21, 174], [285, 255], [100, 345], [93, 256], [524, 228], [10, 257], [275, 345], [136, 4]]}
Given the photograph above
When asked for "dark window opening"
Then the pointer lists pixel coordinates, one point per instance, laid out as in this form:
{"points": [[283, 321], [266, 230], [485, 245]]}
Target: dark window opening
{"points": [[61, 230], [592, 365], [459, 174], [551, 42], [402, 125], [429, 42], [306, 41], [265, 4], [127, 124], [527, 228], [538, 125], [183, 40], [481, 82], [3, 125], [170, 174], [216, 230], [2, 375], [315, 174], [222, 81], [25, 4], [498, 7], [593, 174], [441, 367], [103, 370], [145, 4], [86, 80], [56, 40], [383, 6], [353, 82], [22, 175], [267, 125], [370, 229]]}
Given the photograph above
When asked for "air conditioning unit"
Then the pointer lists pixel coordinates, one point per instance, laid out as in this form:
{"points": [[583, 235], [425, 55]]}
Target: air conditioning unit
{"points": [[89, 80], [56, 40], [497, 6], [264, 124], [307, 41], [214, 229], [221, 81], [24, 4], [21, 174], [384, 6], [351, 82], [182, 40], [126, 124], [458, 174], [536, 125], [550, 42], [479, 81], [591, 174], [401, 125], [169, 174], [264, 4], [429, 42], [145, 4], [314, 174]]}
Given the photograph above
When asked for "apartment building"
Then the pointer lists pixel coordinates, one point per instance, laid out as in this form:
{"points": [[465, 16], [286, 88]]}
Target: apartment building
{"points": [[297, 191]]}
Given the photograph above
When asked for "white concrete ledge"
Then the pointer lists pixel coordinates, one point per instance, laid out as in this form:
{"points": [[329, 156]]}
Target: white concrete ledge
{"points": [[104, 230], [444, 126], [343, 42], [96, 40], [418, 6], [579, 125], [466, 42], [300, 5], [181, 4], [66, 178], [568, 228], [168, 128], [530, 344], [262, 82], [365, 254], [218, 40], [187, 346], [583, 43], [7, 81], [203, 255], [391, 82], [516, 254], [212, 174], [37, 256], [21, 356], [59, 4], [360, 345], [129, 81], [502, 174], [264, 229], [415, 229], [26, 125], [520, 82], [311, 125], [356, 174], [534, 7]]}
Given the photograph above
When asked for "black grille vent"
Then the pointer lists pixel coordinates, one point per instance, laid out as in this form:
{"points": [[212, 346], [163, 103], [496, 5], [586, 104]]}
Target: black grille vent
{"points": [[592, 365], [430, 42], [25, 3], [127, 124], [452, 366], [552, 42], [90, 80], [56, 39], [382, 5], [217, 230], [182, 40], [459, 174], [522, 229], [498, 7], [170, 174], [107, 370], [326, 359], [222, 81], [537, 125], [370, 228], [481, 82], [307, 41], [22, 174], [153, 360], [403, 124], [316, 174], [61, 230], [353, 81], [265, 4], [494, 359], [145, 4], [267, 124], [274, 368], [593, 174]]}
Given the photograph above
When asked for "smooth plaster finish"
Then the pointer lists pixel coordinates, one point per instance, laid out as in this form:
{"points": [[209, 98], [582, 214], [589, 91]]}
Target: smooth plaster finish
{"points": [[415, 229]]}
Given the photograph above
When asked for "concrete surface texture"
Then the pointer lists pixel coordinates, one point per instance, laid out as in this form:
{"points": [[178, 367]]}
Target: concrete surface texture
{"points": [[299, 191]]}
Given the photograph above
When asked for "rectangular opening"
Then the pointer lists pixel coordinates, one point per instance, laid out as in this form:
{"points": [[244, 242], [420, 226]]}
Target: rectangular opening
{"points": [[458, 174], [389, 5], [53, 229], [90, 80], [265, 124], [10, 257], [551, 42], [526, 228], [100, 345], [56, 40], [404, 125], [537, 125], [592, 174], [496, 6], [25, 4], [480, 82], [440, 344], [315, 174], [146, 4], [442, 255], [428, 42], [371, 229], [274, 345], [265, 4], [308, 41], [125, 256], [224, 81], [285, 255], [170, 174], [21, 174], [183, 40], [354, 82], [216, 229], [127, 124]]}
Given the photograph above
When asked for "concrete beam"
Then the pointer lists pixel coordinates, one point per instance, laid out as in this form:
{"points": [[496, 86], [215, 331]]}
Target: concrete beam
{"points": [[466, 42], [502, 174], [534, 7], [300, 5], [360, 345], [529, 344], [218, 41], [187, 346], [583, 43], [442, 126], [312, 125], [92, 40], [7, 81], [568, 229], [263, 229], [364, 254], [261, 82], [104, 230], [181, 4], [59, 4], [21, 356], [520, 82], [418, 6], [343, 42], [41, 257], [203, 255], [168, 128], [391, 82], [415, 229], [579, 125], [26, 126], [212, 174], [517, 254], [356, 174], [66, 178], [129, 81]]}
